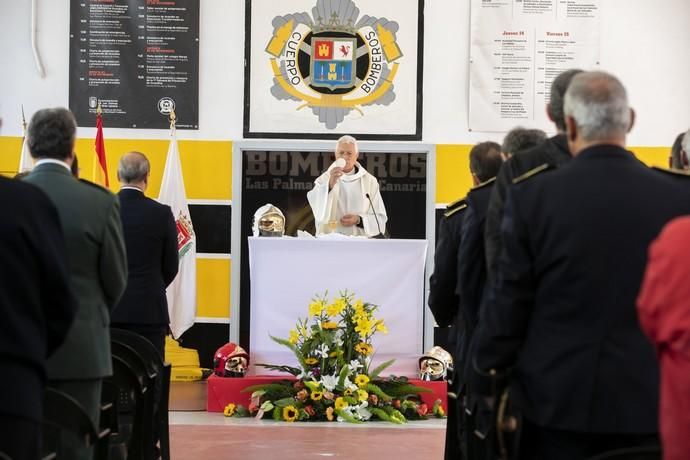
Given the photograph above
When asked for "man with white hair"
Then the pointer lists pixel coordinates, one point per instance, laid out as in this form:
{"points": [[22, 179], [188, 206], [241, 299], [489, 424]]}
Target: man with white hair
{"points": [[346, 198], [560, 318]]}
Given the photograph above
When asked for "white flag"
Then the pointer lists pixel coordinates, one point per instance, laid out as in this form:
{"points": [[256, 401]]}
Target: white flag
{"points": [[26, 163], [182, 291]]}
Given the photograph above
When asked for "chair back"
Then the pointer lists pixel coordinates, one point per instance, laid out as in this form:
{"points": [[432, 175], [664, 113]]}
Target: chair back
{"points": [[61, 413], [153, 362]]}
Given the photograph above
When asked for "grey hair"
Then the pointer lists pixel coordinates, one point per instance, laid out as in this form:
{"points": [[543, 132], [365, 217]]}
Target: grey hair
{"points": [[686, 142], [347, 140], [598, 103], [519, 139], [133, 167]]}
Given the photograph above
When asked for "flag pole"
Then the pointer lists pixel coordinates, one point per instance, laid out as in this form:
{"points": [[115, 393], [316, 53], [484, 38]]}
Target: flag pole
{"points": [[26, 163]]}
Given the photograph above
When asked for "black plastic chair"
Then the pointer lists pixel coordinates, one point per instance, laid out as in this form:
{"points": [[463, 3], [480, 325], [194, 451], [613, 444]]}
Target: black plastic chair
{"points": [[131, 383], [61, 413], [161, 394], [632, 453]]}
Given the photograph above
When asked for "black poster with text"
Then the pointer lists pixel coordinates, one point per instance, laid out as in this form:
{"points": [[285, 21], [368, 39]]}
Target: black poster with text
{"points": [[138, 58]]}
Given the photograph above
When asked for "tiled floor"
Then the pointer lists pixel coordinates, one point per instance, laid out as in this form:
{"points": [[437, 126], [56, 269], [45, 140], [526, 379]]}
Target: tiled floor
{"points": [[202, 435]]}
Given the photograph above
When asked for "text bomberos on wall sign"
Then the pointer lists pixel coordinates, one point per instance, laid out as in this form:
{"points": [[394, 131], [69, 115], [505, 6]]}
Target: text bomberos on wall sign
{"points": [[334, 61]]}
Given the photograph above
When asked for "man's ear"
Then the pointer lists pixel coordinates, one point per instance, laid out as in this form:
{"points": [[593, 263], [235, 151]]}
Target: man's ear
{"points": [[632, 119], [548, 112], [571, 128]]}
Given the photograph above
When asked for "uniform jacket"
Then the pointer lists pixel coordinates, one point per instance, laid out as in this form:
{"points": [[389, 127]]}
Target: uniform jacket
{"points": [[90, 220], [561, 313], [36, 305], [554, 152], [151, 240]]}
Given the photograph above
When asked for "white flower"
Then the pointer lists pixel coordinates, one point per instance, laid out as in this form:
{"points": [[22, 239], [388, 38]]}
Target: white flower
{"points": [[323, 350], [355, 365], [362, 411], [348, 384], [304, 375], [329, 381]]}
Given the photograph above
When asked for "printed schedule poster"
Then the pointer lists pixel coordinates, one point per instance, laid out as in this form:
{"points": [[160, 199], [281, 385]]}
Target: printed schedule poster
{"points": [[517, 49], [138, 58]]}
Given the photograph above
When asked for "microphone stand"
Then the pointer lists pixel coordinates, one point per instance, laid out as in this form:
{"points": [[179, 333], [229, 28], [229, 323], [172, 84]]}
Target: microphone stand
{"points": [[380, 234]]}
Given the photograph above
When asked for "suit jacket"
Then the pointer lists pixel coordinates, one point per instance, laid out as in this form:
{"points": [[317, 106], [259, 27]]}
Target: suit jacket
{"points": [[90, 220], [150, 236], [36, 305], [554, 152], [561, 313], [471, 273]]}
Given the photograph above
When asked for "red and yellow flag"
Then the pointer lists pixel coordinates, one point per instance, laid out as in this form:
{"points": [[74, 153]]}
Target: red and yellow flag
{"points": [[100, 166]]}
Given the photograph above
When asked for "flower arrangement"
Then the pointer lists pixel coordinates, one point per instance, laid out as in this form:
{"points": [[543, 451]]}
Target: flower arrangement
{"points": [[335, 381]]}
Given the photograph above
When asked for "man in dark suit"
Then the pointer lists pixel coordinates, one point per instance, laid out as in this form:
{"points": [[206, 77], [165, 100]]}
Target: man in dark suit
{"points": [[151, 239], [90, 220], [561, 313], [36, 307], [554, 152]]}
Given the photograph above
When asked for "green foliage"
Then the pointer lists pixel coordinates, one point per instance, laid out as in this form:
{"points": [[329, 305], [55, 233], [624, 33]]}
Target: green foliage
{"points": [[287, 369], [373, 388], [380, 368], [345, 415]]}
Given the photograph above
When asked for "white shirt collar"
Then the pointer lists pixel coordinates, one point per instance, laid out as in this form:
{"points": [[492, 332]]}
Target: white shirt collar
{"points": [[53, 161], [130, 187]]}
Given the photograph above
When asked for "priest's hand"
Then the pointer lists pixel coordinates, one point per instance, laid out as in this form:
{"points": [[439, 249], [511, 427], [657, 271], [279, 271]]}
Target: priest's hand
{"points": [[336, 174], [348, 220]]}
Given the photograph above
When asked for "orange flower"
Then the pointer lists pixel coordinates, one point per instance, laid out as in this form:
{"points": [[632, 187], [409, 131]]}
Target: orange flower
{"points": [[329, 414]]}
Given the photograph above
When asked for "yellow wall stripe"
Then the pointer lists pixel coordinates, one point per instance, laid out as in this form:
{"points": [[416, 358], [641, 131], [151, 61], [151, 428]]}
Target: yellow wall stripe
{"points": [[206, 165], [213, 288]]}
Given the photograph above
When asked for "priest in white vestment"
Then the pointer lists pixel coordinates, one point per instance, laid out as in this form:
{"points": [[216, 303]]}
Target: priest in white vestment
{"points": [[346, 198]]}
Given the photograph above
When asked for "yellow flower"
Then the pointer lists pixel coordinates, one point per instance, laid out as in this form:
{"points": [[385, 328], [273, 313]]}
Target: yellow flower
{"points": [[336, 307], [329, 414], [358, 305], [333, 354], [364, 348], [329, 325], [294, 337], [441, 412], [347, 392], [362, 395], [381, 327], [316, 395], [340, 403], [364, 327], [290, 413], [361, 380], [311, 361], [229, 410], [315, 308]]}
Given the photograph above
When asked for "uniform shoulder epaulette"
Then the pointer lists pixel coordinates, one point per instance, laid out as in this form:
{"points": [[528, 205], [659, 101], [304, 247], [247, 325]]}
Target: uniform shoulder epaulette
{"points": [[96, 186], [454, 207], [533, 172], [674, 171], [483, 184]]}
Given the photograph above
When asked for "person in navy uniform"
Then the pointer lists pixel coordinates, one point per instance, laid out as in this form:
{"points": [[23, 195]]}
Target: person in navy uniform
{"points": [[37, 310], [561, 314], [554, 152]]}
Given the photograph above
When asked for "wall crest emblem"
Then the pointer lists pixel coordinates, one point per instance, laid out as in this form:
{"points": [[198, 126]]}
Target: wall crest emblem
{"points": [[334, 61]]}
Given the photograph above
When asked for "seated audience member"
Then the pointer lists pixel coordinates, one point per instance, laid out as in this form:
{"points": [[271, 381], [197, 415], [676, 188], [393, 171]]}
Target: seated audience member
{"points": [[151, 239], [679, 152], [664, 309], [37, 310], [519, 139], [560, 317]]}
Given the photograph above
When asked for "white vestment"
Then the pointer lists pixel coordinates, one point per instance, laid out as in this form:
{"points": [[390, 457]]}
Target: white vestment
{"points": [[348, 196]]}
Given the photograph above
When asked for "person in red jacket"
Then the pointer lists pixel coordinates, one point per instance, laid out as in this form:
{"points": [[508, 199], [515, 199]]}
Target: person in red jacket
{"points": [[664, 311]]}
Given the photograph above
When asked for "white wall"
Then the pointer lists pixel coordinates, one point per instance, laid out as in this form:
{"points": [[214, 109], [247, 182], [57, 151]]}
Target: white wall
{"points": [[644, 42]]}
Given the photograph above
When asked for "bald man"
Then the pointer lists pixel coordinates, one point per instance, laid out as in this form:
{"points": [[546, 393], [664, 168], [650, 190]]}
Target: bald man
{"points": [[150, 237]]}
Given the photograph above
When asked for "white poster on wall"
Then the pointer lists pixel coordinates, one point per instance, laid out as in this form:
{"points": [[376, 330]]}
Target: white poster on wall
{"points": [[327, 67], [517, 49]]}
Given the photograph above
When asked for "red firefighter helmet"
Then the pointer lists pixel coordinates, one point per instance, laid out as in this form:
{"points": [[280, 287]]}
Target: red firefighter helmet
{"points": [[230, 360]]}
